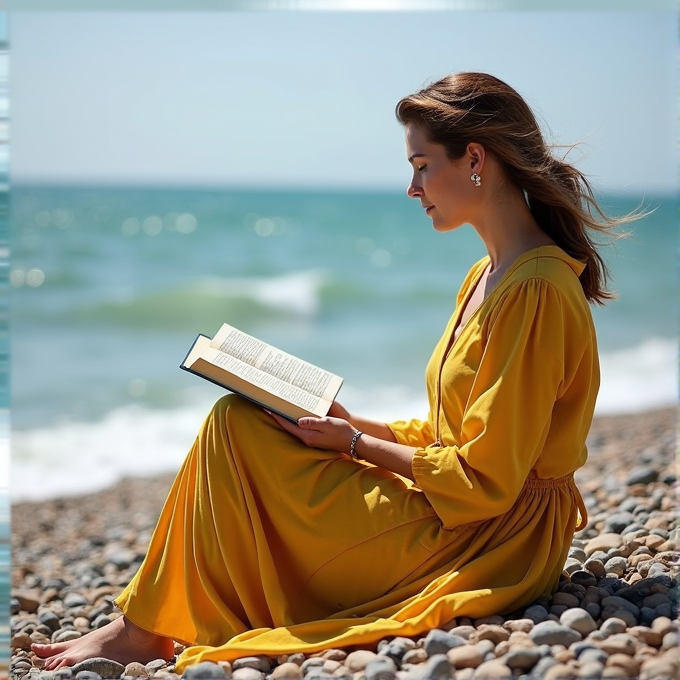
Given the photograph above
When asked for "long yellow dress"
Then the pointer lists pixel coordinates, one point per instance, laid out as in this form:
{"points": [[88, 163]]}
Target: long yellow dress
{"points": [[266, 546]]}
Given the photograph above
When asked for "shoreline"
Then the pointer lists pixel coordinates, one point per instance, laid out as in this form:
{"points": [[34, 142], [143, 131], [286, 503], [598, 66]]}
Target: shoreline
{"points": [[72, 555]]}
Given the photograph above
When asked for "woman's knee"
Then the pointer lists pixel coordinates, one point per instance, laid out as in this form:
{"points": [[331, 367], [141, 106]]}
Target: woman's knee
{"points": [[233, 407]]}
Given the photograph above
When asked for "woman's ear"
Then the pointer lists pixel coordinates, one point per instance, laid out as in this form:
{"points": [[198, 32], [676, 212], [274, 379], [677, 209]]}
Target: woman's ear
{"points": [[476, 155]]}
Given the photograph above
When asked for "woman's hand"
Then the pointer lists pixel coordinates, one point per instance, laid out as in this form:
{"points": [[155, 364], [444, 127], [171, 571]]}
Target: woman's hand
{"points": [[331, 434]]}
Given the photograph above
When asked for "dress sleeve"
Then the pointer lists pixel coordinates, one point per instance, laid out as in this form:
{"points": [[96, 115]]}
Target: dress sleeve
{"points": [[504, 427], [412, 432]]}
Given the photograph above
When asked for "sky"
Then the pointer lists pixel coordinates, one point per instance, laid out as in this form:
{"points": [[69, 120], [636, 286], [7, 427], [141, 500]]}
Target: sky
{"points": [[306, 99]]}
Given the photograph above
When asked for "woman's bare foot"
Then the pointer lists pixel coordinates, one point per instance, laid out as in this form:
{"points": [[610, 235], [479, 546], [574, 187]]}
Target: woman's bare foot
{"points": [[121, 641]]}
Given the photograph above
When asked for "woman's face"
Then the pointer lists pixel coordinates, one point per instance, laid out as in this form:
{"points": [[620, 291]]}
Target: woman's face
{"points": [[442, 186]]}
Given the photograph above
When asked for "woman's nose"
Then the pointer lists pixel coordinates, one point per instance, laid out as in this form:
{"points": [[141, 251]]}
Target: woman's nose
{"points": [[413, 190]]}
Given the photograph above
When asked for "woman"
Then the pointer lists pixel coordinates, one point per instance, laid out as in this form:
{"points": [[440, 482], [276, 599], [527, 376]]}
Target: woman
{"points": [[273, 539]]}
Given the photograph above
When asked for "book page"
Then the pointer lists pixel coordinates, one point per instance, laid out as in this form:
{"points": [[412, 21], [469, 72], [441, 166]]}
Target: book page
{"points": [[280, 365], [266, 381]]}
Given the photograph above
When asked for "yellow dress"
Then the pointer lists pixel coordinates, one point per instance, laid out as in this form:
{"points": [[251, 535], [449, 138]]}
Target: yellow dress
{"points": [[265, 546]]}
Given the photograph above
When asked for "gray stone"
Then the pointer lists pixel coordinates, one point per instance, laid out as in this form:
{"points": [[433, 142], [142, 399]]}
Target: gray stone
{"points": [[437, 667], [524, 658], [583, 578], [592, 670], [616, 565], [571, 565], [590, 655], [49, 619], [642, 475], [101, 620], [613, 626], [536, 613], [381, 668], [395, 649], [86, 675], [259, 663], [63, 674], [553, 633], [579, 620], [74, 599], [206, 670], [136, 670], [105, 668], [618, 521], [657, 568], [542, 666], [308, 664], [439, 642], [614, 603], [65, 634]]}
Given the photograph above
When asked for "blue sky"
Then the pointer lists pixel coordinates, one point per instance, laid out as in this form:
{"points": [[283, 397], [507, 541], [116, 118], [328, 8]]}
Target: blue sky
{"points": [[306, 99]]}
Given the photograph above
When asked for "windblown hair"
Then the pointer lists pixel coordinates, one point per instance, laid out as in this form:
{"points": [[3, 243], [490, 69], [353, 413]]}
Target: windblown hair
{"points": [[477, 107]]}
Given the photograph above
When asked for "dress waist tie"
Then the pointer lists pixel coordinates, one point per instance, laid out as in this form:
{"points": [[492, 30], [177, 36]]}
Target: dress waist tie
{"points": [[535, 482]]}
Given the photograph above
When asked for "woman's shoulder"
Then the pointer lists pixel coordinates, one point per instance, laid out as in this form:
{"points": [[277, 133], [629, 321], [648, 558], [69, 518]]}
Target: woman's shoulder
{"points": [[547, 263]]}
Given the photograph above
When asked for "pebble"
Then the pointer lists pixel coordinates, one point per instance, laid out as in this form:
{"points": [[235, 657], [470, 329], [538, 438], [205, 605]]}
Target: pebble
{"points": [[579, 620], [553, 633], [358, 660], [618, 577], [437, 667], [286, 671], [439, 642], [259, 663], [523, 658], [467, 656]]}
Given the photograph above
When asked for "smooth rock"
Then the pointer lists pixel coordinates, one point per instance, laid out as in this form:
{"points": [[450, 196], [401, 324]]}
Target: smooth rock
{"points": [[584, 579], [566, 599], [617, 522], [74, 599], [590, 671], [439, 642], [536, 613], [359, 659], [495, 633], [136, 670], [595, 567], [579, 620], [381, 668], [560, 671], [603, 542], [105, 668], [628, 663], [642, 475], [84, 675], [544, 663], [66, 634], [259, 663], [616, 565], [593, 655], [467, 656], [286, 671], [519, 625], [662, 625], [613, 626], [207, 670], [493, 670], [21, 640], [660, 667], [28, 600], [553, 633], [245, 673], [524, 658], [414, 656], [615, 603], [620, 643], [437, 667]]}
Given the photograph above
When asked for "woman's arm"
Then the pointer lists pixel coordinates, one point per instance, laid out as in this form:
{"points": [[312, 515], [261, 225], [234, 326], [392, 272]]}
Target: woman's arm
{"points": [[374, 428], [335, 434]]}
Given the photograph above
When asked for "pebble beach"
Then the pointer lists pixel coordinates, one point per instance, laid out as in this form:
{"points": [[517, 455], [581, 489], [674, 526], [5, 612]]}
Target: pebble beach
{"points": [[613, 615]]}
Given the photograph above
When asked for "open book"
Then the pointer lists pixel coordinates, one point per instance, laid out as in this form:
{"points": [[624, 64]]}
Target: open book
{"points": [[269, 377]]}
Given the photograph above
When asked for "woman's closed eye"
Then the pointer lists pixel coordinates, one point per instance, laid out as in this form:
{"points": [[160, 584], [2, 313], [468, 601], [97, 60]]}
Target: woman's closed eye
{"points": [[421, 168]]}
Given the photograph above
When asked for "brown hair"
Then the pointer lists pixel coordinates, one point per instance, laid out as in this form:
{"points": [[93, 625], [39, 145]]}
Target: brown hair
{"points": [[477, 107]]}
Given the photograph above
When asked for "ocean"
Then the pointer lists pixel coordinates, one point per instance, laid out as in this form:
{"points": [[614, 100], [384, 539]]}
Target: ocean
{"points": [[110, 286]]}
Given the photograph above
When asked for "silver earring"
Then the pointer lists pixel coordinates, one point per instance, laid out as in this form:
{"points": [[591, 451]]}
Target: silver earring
{"points": [[476, 179]]}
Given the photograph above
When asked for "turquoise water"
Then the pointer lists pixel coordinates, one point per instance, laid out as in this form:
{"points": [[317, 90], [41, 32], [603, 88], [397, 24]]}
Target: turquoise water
{"points": [[110, 287]]}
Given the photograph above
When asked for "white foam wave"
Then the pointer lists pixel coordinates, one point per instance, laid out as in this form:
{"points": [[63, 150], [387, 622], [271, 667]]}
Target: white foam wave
{"points": [[298, 292], [639, 378]]}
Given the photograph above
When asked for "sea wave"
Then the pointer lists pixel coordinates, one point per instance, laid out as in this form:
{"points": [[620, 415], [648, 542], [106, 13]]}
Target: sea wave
{"points": [[297, 294], [639, 378]]}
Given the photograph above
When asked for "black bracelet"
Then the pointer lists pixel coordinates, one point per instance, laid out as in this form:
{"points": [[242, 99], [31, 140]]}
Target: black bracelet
{"points": [[353, 445]]}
